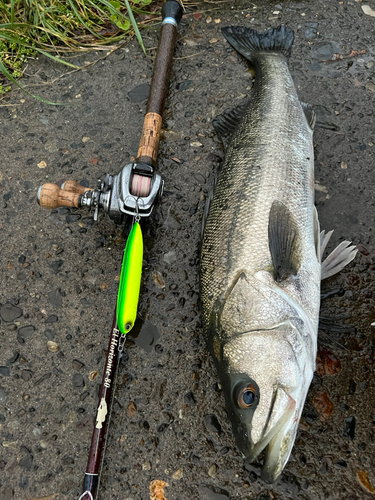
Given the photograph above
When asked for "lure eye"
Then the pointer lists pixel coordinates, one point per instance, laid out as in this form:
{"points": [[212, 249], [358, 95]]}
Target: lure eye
{"points": [[246, 397]]}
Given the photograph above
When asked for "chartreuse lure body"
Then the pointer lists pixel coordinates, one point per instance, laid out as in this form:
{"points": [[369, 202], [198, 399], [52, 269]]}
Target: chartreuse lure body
{"points": [[130, 280]]}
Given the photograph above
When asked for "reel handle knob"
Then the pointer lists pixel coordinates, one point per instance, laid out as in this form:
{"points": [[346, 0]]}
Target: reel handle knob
{"points": [[75, 187], [52, 196]]}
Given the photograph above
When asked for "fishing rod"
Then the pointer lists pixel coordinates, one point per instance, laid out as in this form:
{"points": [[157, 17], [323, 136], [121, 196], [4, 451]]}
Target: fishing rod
{"points": [[132, 192]]}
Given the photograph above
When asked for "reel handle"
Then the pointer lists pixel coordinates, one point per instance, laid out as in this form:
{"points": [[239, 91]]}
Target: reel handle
{"points": [[52, 196], [75, 187]]}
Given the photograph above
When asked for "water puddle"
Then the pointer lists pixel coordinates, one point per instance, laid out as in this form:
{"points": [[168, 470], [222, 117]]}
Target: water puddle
{"points": [[144, 334]]}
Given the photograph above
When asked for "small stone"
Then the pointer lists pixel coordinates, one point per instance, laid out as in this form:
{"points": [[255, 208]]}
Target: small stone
{"points": [[85, 302], [26, 462], [73, 218], [55, 297], [212, 424], [5, 371], [49, 334], [131, 409], [85, 139], [42, 164], [26, 375], [67, 232], [93, 375], [370, 86], [212, 471], [349, 428], [9, 312], [52, 319], [146, 466], [352, 387], [77, 365], [196, 144], [170, 257], [189, 398], [178, 474], [44, 443], [26, 331], [341, 464], [7, 493], [52, 346], [78, 380], [3, 395], [139, 93]]}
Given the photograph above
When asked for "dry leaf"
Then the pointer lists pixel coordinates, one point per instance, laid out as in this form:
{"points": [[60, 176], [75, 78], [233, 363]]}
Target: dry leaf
{"points": [[323, 405], [364, 482], [368, 10], [157, 490], [159, 280], [131, 410], [327, 363]]}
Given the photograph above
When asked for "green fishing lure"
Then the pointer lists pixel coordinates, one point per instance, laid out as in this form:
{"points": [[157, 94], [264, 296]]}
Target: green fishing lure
{"points": [[130, 280]]}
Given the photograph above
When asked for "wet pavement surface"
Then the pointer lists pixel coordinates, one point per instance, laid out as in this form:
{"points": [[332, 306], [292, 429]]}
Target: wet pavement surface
{"points": [[59, 270]]}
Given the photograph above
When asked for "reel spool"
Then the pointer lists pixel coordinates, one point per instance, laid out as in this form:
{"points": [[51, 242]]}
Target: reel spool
{"points": [[140, 186]]}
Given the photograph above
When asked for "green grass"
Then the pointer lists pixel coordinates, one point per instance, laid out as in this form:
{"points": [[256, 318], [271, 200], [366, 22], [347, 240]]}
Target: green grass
{"points": [[56, 27]]}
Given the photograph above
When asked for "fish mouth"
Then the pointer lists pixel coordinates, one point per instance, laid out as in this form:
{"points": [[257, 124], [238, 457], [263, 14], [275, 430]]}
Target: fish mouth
{"points": [[278, 436]]}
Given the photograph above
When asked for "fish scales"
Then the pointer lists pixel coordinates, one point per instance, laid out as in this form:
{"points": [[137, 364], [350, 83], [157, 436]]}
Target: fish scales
{"points": [[270, 158], [260, 320]]}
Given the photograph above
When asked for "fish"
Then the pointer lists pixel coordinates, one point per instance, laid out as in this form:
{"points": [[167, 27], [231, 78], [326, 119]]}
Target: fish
{"points": [[261, 255]]}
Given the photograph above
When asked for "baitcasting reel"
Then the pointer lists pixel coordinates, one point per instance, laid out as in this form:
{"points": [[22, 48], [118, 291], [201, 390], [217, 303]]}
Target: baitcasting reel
{"points": [[133, 191]]}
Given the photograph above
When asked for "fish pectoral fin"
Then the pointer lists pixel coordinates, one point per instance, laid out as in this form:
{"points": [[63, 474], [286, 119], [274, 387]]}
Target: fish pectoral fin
{"points": [[339, 258], [317, 240], [309, 114], [226, 123], [284, 241]]}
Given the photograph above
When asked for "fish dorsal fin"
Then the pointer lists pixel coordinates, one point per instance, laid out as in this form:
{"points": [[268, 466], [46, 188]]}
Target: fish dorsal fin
{"points": [[284, 241], [310, 114], [226, 123]]}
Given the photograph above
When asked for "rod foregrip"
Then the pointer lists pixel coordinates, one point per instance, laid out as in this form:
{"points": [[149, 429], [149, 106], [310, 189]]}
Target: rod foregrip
{"points": [[149, 143], [52, 196]]}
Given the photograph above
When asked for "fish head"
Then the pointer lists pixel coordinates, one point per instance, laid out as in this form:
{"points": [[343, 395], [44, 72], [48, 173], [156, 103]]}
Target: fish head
{"points": [[265, 385]]}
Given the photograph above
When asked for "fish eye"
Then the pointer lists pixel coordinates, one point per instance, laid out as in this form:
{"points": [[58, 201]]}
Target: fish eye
{"points": [[246, 397]]}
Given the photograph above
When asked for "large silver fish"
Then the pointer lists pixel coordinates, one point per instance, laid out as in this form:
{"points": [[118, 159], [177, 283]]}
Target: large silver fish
{"points": [[261, 256]]}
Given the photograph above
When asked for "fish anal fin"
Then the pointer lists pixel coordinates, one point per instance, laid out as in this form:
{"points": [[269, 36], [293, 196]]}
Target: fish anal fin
{"points": [[309, 114], [226, 123], [284, 242]]}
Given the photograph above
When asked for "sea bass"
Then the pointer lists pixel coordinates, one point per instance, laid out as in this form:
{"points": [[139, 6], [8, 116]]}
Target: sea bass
{"points": [[261, 255]]}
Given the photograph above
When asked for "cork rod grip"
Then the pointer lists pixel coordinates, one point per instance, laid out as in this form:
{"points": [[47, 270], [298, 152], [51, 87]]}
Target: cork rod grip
{"points": [[51, 196], [149, 143]]}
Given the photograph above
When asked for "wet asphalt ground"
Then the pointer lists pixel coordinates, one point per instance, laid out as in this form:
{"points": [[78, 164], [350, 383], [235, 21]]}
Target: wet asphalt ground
{"points": [[59, 270]]}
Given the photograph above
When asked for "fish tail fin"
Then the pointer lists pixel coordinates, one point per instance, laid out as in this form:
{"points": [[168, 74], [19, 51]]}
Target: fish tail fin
{"points": [[248, 42], [339, 258]]}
